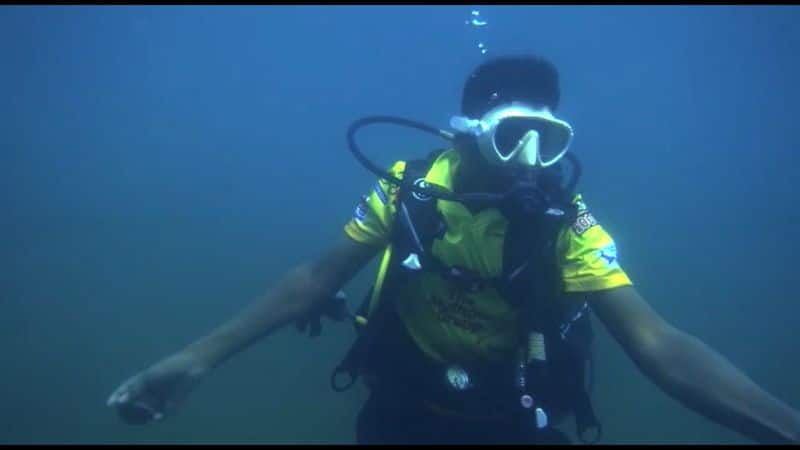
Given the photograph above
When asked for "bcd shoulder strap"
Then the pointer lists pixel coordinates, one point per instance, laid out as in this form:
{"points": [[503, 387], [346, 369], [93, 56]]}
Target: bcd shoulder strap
{"points": [[409, 237]]}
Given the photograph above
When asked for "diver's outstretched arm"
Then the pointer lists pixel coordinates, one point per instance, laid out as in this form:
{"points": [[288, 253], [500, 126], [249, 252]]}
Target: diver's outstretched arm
{"points": [[156, 391], [691, 372], [302, 289]]}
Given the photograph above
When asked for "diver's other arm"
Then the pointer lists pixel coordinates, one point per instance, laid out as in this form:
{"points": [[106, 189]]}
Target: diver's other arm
{"points": [[302, 289], [691, 372], [157, 390]]}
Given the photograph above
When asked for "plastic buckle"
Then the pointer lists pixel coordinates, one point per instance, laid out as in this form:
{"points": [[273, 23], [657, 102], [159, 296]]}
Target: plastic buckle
{"points": [[412, 262], [528, 403]]}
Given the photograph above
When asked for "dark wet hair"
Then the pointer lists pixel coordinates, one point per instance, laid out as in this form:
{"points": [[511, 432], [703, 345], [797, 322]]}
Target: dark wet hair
{"points": [[531, 79]]}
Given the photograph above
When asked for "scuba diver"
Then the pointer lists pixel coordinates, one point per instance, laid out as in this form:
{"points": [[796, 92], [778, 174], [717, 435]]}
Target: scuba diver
{"points": [[477, 328]]}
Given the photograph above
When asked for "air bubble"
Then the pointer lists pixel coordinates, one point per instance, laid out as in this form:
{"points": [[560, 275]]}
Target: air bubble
{"points": [[475, 20]]}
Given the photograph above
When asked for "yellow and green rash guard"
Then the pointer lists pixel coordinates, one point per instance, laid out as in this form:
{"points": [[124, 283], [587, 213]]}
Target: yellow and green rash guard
{"points": [[451, 325]]}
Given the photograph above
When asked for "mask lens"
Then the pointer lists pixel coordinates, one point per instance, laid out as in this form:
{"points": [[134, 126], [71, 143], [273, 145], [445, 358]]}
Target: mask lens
{"points": [[511, 130]]}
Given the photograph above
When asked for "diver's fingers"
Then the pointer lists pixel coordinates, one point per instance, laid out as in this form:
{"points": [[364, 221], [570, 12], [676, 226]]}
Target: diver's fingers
{"points": [[116, 397], [341, 313], [125, 392], [174, 400], [153, 412], [336, 311]]}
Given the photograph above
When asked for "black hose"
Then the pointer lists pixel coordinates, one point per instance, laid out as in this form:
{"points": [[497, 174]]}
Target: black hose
{"points": [[381, 173], [577, 171]]}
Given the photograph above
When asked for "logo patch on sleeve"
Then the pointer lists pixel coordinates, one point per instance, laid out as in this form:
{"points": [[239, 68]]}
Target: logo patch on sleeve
{"points": [[584, 221], [609, 255], [361, 211]]}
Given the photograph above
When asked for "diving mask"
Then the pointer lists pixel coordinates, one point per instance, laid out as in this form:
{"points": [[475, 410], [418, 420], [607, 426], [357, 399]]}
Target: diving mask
{"points": [[519, 135]]}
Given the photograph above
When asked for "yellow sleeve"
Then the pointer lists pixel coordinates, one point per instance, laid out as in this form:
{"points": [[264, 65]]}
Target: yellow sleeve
{"points": [[374, 213], [588, 255]]}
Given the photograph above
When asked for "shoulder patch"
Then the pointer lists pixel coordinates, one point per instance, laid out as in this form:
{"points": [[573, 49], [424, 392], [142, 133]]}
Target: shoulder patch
{"points": [[361, 210], [609, 255], [584, 221]]}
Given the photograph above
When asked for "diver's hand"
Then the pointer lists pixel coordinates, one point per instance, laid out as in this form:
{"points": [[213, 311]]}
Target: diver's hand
{"points": [[334, 308], [157, 391]]}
